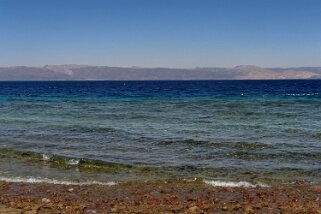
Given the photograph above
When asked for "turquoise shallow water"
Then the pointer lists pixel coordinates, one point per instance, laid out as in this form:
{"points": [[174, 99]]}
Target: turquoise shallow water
{"points": [[267, 131]]}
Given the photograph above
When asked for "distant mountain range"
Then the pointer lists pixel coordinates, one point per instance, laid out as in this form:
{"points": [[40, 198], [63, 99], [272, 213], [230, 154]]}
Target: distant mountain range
{"points": [[87, 72]]}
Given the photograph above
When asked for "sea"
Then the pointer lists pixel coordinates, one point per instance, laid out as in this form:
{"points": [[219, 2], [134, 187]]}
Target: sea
{"points": [[104, 132]]}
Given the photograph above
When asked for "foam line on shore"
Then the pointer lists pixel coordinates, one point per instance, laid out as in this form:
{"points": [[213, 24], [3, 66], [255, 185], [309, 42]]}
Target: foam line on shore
{"points": [[52, 181], [234, 184]]}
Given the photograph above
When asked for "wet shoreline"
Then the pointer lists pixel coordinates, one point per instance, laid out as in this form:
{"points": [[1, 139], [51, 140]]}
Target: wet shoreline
{"points": [[167, 196]]}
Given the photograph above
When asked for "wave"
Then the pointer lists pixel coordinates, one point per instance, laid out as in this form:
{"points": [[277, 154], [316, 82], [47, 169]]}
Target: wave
{"points": [[80, 128], [187, 142], [302, 94], [122, 171], [64, 162], [34, 180], [45, 157], [289, 156], [225, 144], [234, 184], [73, 162], [53, 181], [317, 135]]}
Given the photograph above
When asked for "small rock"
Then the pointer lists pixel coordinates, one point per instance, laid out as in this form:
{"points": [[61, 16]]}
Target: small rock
{"points": [[248, 209], [194, 209], [224, 208], [90, 211], [114, 210], [70, 189], [177, 209], [8, 210], [45, 200], [30, 212]]}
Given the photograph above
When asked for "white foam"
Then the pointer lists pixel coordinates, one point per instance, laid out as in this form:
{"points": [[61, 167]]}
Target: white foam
{"points": [[234, 184], [45, 157], [303, 94], [73, 162], [53, 181]]}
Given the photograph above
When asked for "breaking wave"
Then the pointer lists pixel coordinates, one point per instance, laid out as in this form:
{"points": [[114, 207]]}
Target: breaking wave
{"points": [[234, 184], [53, 181]]}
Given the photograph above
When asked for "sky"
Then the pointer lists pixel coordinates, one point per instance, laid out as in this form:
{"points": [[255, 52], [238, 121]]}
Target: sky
{"points": [[161, 33]]}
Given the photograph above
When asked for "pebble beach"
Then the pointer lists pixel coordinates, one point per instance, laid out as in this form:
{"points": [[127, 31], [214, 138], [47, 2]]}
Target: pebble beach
{"points": [[170, 196]]}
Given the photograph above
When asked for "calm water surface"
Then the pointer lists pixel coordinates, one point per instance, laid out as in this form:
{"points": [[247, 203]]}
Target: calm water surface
{"points": [[267, 131]]}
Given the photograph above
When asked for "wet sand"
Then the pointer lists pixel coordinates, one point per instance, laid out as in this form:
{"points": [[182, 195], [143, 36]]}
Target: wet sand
{"points": [[173, 196]]}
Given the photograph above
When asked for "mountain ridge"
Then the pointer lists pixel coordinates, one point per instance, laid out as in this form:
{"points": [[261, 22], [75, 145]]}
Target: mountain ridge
{"points": [[92, 72]]}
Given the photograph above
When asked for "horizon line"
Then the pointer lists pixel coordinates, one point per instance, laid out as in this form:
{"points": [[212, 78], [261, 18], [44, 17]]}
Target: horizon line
{"points": [[160, 67]]}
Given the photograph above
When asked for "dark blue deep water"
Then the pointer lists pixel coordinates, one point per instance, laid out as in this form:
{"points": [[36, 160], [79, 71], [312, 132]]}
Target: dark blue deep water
{"points": [[258, 131]]}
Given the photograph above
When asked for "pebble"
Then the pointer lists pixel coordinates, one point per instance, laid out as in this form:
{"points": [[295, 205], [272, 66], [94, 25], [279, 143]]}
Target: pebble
{"points": [[90, 212], [114, 210], [30, 212], [194, 209], [45, 200]]}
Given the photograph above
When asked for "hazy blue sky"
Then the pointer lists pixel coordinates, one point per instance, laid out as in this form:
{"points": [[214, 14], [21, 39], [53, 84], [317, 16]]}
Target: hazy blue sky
{"points": [[167, 33]]}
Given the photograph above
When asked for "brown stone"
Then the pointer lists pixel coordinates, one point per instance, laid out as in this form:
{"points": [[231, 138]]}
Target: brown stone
{"points": [[194, 209]]}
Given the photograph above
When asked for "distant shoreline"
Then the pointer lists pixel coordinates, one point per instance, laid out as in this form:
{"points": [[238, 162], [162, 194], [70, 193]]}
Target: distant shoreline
{"points": [[91, 73], [203, 80]]}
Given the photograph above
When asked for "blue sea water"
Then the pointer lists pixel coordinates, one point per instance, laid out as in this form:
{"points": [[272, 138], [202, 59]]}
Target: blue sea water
{"points": [[258, 131]]}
